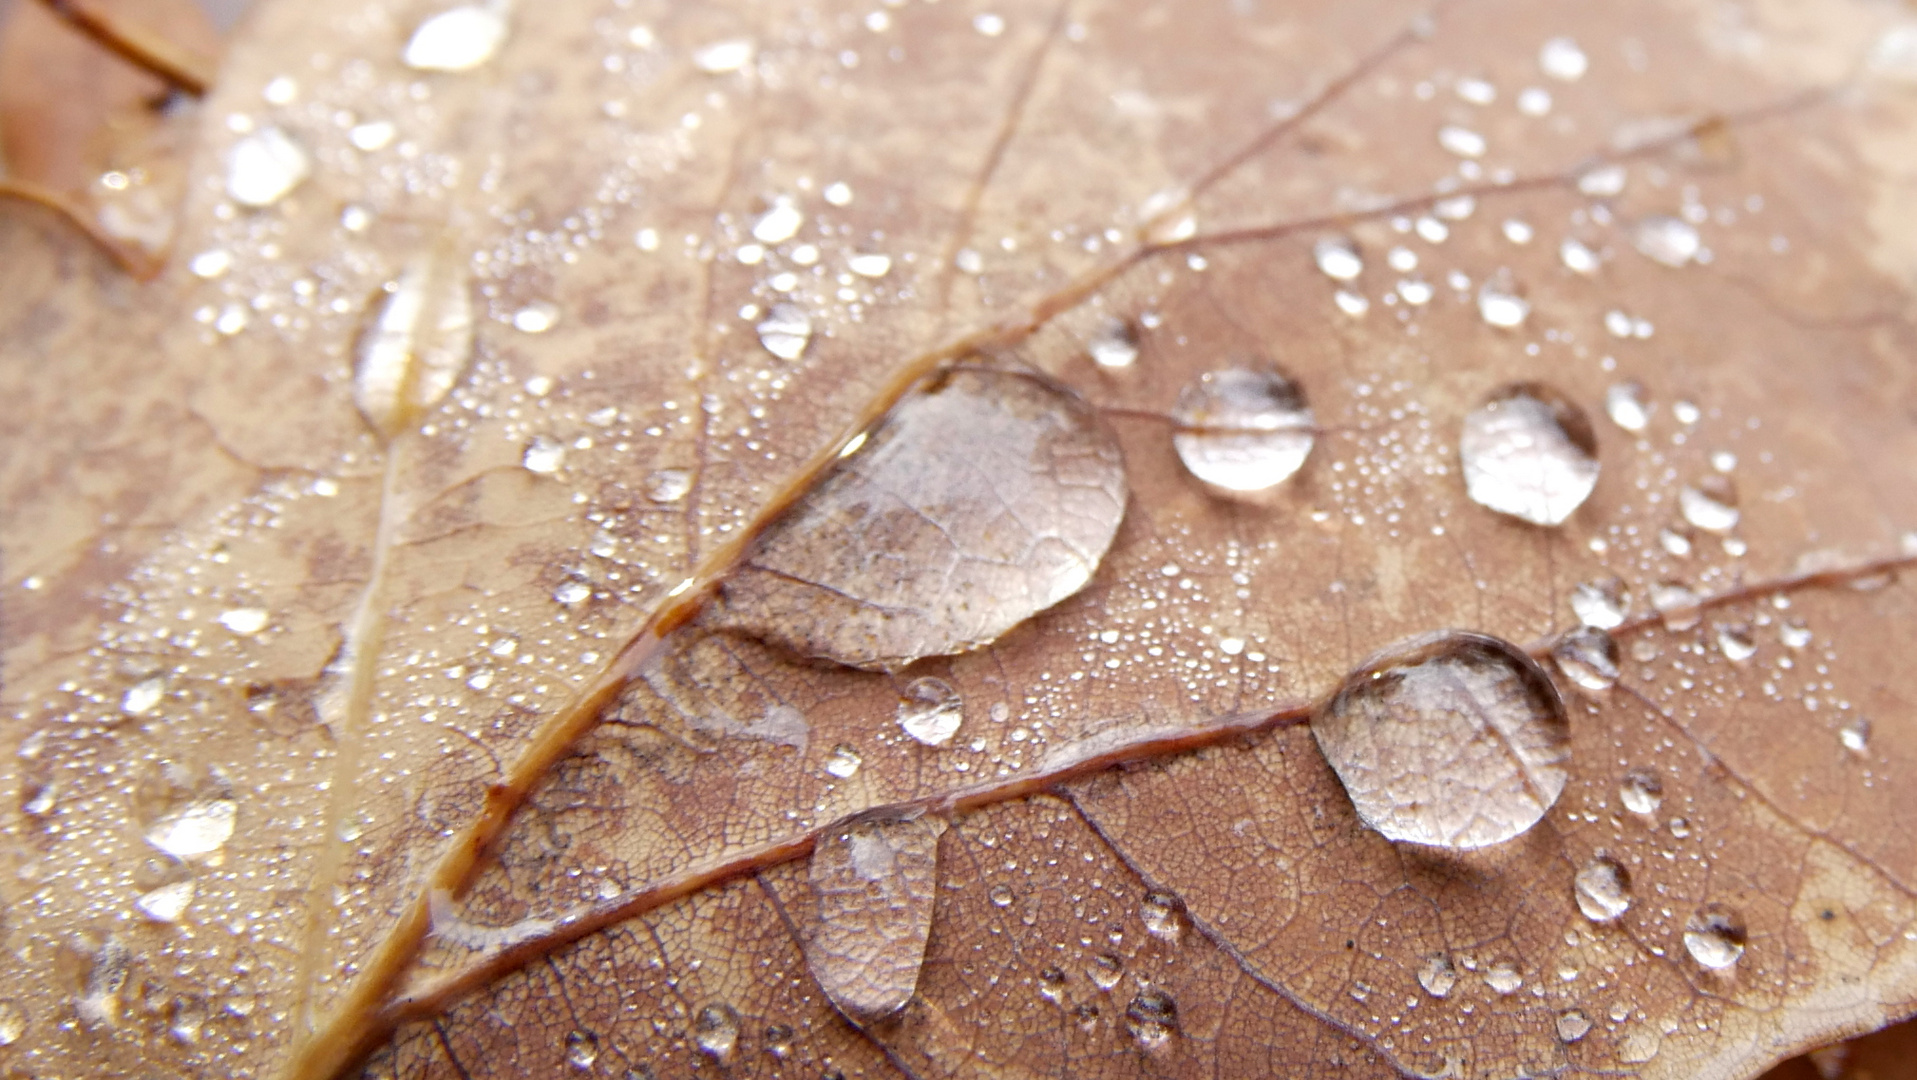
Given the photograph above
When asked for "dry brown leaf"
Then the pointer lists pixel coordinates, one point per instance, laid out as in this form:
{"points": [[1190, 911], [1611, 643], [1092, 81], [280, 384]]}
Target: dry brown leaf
{"points": [[305, 655]]}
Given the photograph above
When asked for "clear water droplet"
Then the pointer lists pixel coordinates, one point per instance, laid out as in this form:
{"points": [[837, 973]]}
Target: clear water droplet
{"points": [[1603, 181], [1600, 603], [544, 455], [930, 711], [1680, 827], [1794, 634], [536, 317], [874, 879], [1641, 791], [1573, 1025], [1674, 542], [1461, 141], [668, 485], [244, 621], [1416, 291], [211, 264], [1000, 896], [372, 135], [13, 1023], [1686, 412], [1168, 217], [1518, 231], [167, 903], [715, 1031], [1588, 657], [1668, 240], [1715, 936], [1051, 984], [724, 57], [1578, 258], [1152, 1019], [1105, 970], [1350, 303], [1503, 977], [1626, 405], [572, 592], [1677, 605], [459, 39], [1603, 889], [142, 697], [1402, 259], [1734, 640], [778, 1043], [1855, 736], [779, 223], [1452, 739], [1710, 504], [1338, 258], [1437, 975], [1562, 59], [582, 1049], [1501, 306], [199, 827], [785, 331], [1163, 916], [1534, 101], [843, 762], [1475, 90], [1529, 452], [1241, 430], [265, 167], [1113, 344], [417, 340]]}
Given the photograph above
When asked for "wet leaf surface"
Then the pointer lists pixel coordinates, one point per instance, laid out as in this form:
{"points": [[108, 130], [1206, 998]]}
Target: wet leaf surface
{"points": [[378, 710]]}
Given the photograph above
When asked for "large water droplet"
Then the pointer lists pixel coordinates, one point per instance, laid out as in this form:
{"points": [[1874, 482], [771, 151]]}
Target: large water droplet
{"points": [[1453, 739], [1163, 916], [199, 827], [785, 331], [582, 1049], [1599, 603], [1562, 59], [930, 711], [1603, 889], [1626, 405], [1437, 975], [1241, 430], [1113, 344], [1588, 657], [1529, 452], [1641, 791], [264, 167], [1152, 1019], [460, 39], [874, 880], [167, 903], [415, 344], [1668, 240], [972, 506], [1573, 1025], [1338, 258], [1710, 504], [1715, 936], [715, 1031]]}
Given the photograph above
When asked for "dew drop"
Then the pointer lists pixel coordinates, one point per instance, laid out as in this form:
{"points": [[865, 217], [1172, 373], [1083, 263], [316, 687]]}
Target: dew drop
{"points": [[724, 57], [1641, 791], [143, 696], [1534, 101], [167, 903], [416, 342], [1163, 916], [1453, 739], [544, 455], [1168, 217], [1603, 889], [1603, 181], [244, 621], [1000, 896], [572, 592], [1588, 657], [1794, 634], [873, 879], [1576, 257], [786, 331], [1437, 975], [1114, 344], [1503, 977], [1734, 640], [264, 167], [13, 1023], [843, 762], [1338, 258], [1562, 59], [1051, 984], [199, 827], [1680, 827], [1715, 936], [1710, 505], [1152, 1019], [582, 1049], [1686, 412], [1573, 1025], [1415, 291], [778, 224], [536, 317], [1626, 405], [1677, 605], [930, 711], [1105, 970], [1668, 240], [1499, 306], [715, 1031], [1518, 232], [1240, 430], [372, 135], [211, 264], [1461, 141], [1855, 736], [1599, 603], [870, 266], [459, 39], [668, 485], [1529, 452]]}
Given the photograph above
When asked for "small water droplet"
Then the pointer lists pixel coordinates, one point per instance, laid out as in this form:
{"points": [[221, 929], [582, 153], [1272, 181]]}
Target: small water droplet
{"points": [[778, 1043], [1603, 181], [1734, 640], [459, 39], [1627, 407], [1113, 344], [245, 620], [1105, 970], [1715, 936], [930, 711], [1163, 916], [1475, 90], [1676, 605], [1680, 827], [724, 57], [1562, 59], [1686, 412], [13, 1023], [1517, 231], [1576, 257], [536, 317], [1415, 291], [1710, 504], [143, 696], [1573, 1025], [264, 167], [1674, 542], [544, 455], [1338, 258], [1534, 101], [1452, 739], [668, 485], [372, 135], [211, 264], [1855, 736], [1668, 240], [1588, 657], [1500, 305], [1794, 634], [1461, 141], [582, 1049], [869, 266], [1641, 791], [1168, 217], [1350, 303], [1600, 603], [572, 592], [843, 762], [1437, 975], [779, 223], [1241, 430], [1504, 977], [1152, 1019], [786, 331], [1529, 452], [167, 903], [1603, 889], [1051, 984], [715, 1030], [199, 827], [1000, 896]]}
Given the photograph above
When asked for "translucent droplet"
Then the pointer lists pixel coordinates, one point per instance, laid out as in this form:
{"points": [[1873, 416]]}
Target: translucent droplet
{"points": [[1578, 258], [1794, 634], [1240, 430], [1599, 603], [1529, 452], [544, 455], [1855, 735], [1562, 59], [1350, 303], [1588, 657], [1453, 739], [1338, 258], [264, 167], [200, 827], [245, 620], [141, 697], [1504, 977], [1105, 970], [572, 592], [1051, 984], [1476, 91], [843, 762], [715, 1031], [415, 343], [1603, 889], [1641, 791], [536, 317], [1437, 975], [1461, 141], [1000, 896], [870, 266], [372, 135], [1668, 240], [1625, 403], [930, 711], [211, 264], [1573, 1025], [13, 1023], [724, 57], [778, 1043], [1168, 217], [1415, 291], [785, 331], [1603, 182], [1680, 827], [1677, 605], [1152, 1019], [1163, 916], [1114, 344], [167, 903], [778, 224], [582, 1049], [1674, 542], [1534, 101], [1715, 936], [1518, 232], [1710, 505], [1499, 306], [874, 881], [460, 39], [1734, 640]]}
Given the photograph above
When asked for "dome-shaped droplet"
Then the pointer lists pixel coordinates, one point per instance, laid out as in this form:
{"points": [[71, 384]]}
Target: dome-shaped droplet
{"points": [[1600, 603], [1241, 430], [1529, 452], [265, 167], [1113, 344], [1503, 977], [167, 903], [1562, 59], [668, 485], [1710, 504], [459, 39], [715, 1031], [13, 1023], [1437, 974], [1501, 306], [1576, 257], [1678, 607], [1152, 1019], [1573, 1025], [143, 696], [1603, 889], [1641, 791], [1453, 739], [1734, 640], [843, 762], [1668, 240], [785, 331], [199, 827], [416, 342], [873, 880], [582, 1049], [1627, 406], [1715, 936], [1105, 970], [1588, 657], [930, 711], [1338, 258], [1163, 916], [1051, 984]]}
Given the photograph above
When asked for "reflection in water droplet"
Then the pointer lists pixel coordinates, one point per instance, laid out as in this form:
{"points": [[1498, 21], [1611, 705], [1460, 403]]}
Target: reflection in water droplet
{"points": [[1855, 736], [715, 1031], [1500, 306], [1241, 430], [1163, 916], [1114, 344], [582, 1049], [1504, 977], [1338, 258], [1715, 936], [1588, 657], [786, 331], [13, 1023], [1641, 791], [1674, 542], [1152, 1019], [873, 880], [1600, 603], [778, 1043], [544, 455], [1794, 634], [1677, 605], [843, 762], [141, 697], [1573, 1025], [1000, 896], [1051, 984], [1668, 240], [1529, 452], [199, 827], [930, 711], [457, 40], [99, 1002], [265, 167], [1627, 407], [415, 343], [1711, 505], [1734, 640], [668, 485], [1105, 970], [1562, 59], [1437, 975], [167, 903], [1603, 889], [1453, 739], [1680, 827]]}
